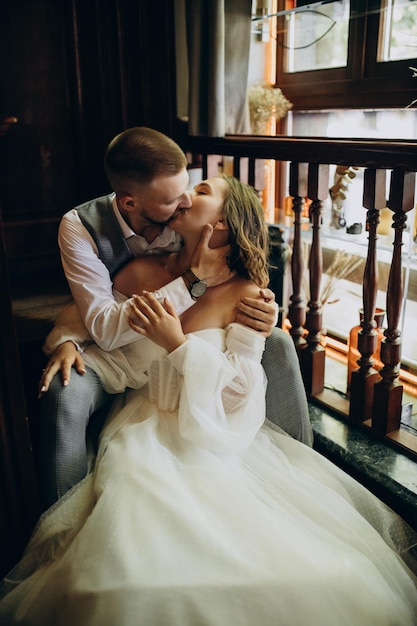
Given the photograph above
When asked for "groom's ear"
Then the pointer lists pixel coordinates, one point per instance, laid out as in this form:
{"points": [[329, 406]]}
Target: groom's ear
{"points": [[220, 225], [127, 202]]}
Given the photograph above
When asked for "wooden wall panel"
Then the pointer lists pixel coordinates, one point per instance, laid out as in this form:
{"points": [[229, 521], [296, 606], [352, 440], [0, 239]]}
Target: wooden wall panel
{"points": [[18, 486], [74, 73]]}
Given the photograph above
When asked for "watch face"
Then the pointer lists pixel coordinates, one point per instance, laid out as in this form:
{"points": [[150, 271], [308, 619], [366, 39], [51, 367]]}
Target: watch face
{"points": [[198, 289]]}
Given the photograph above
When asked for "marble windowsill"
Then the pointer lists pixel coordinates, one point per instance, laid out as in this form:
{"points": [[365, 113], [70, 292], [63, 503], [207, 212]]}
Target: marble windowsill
{"points": [[389, 474]]}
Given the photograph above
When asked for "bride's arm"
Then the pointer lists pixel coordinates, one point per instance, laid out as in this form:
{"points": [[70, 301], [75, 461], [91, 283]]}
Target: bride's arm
{"points": [[222, 400], [222, 397]]}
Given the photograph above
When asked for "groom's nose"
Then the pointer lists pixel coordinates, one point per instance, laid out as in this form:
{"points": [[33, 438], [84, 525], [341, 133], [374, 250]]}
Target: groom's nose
{"points": [[185, 201]]}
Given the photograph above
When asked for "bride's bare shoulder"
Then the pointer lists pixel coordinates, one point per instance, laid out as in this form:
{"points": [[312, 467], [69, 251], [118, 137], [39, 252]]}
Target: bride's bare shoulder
{"points": [[244, 288]]}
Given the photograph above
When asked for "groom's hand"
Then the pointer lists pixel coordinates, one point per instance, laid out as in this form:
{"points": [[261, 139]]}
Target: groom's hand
{"points": [[260, 314], [210, 264]]}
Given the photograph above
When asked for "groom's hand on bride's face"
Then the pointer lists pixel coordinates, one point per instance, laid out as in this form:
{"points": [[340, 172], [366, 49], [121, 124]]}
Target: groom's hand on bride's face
{"points": [[210, 264], [260, 314]]}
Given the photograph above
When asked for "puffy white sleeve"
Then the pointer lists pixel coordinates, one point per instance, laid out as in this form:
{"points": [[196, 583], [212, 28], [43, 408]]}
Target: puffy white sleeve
{"points": [[222, 399], [68, 327]]}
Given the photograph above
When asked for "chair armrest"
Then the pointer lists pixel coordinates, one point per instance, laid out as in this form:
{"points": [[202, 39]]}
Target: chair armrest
{"points": [[286, 400]]}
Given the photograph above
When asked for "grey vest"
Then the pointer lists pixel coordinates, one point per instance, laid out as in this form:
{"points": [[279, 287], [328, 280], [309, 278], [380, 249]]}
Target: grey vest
{"points": [[99, 219]]}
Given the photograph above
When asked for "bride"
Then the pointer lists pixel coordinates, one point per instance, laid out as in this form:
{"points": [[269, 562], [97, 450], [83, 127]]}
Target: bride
{"points": [[199, 511]]}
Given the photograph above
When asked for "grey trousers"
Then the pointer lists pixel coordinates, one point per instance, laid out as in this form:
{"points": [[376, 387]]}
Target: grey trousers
{"points": [[65, 417]]}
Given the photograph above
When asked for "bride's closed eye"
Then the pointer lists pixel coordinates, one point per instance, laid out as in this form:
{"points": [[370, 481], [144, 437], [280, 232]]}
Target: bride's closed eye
{"points": [[202, 189]]}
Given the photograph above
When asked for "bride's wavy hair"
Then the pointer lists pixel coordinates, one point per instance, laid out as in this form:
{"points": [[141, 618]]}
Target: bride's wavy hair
{"points": [[249, 239]]}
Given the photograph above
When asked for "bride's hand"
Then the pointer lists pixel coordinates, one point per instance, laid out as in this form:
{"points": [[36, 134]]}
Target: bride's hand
{"points": [[158, 322], [63, 359]]}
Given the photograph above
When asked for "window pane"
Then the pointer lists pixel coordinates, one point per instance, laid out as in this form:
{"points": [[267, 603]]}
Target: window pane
{"points": [[398, 30], [354, 123], [316, 39]]}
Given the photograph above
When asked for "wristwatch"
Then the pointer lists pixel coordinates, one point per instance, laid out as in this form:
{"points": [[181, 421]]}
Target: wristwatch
{"points": [[196, 287]]}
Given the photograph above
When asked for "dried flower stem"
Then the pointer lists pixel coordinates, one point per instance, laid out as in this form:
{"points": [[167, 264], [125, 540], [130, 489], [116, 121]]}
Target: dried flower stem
{"points": [[342, 265]]}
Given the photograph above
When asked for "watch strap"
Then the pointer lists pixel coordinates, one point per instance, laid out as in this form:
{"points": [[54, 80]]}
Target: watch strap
{"points": [[191, 278], [195, 285]]}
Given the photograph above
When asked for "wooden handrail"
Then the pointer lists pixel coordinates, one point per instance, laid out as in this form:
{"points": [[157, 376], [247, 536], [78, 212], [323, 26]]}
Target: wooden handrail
{"points": [[375, 153]]}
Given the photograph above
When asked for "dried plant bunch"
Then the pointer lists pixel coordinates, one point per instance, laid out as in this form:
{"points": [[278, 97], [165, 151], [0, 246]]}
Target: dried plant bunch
{"points": [[266, 101], [342, 265], [343, 176]]}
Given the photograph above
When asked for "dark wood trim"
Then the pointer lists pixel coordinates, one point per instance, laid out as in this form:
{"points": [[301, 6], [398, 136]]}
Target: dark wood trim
{"points": [[18, 485], [378, 153], [363, 83]]}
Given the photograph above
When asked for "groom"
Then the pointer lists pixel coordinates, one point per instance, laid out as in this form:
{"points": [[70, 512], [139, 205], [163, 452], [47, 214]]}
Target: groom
{"points": [[148, 174]]}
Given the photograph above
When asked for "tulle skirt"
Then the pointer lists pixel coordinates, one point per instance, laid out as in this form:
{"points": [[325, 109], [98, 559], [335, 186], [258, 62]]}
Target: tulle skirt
{"points": [[165, 533]]}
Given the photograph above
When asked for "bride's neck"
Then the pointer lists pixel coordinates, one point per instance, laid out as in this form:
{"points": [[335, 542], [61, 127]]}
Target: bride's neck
{"points": [[181, 260]]}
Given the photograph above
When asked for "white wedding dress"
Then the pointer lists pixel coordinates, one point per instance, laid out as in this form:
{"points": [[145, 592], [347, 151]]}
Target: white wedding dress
{"points": [[199, 513]]}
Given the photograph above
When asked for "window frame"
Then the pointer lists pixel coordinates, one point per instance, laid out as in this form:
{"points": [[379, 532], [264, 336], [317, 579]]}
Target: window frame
{"points": [[363, 83]]}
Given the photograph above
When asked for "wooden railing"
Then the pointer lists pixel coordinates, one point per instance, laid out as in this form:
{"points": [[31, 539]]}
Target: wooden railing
{"points": [[375, 399]]}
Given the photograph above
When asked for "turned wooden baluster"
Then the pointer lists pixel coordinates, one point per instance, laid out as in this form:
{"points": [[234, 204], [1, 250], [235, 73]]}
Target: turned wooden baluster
{"points": [[236, 167], [313, 355], [365, 377], [298, 189], [252, 172], [388, 391], [204, 165]]}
